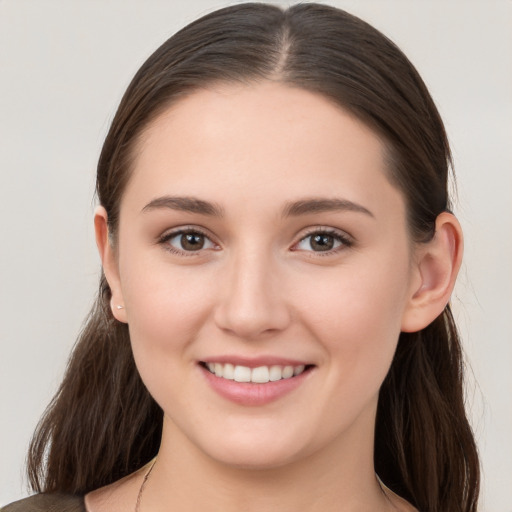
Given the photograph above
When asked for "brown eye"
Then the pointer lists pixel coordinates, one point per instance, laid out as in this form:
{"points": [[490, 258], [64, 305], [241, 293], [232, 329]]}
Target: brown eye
{"points": [[192, 241], [188, 241], [323, 241]]}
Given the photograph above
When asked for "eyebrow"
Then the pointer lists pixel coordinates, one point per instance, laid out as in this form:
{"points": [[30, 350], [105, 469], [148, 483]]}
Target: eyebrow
{"points": [[185, 204], [291, 209], [320, 205]]}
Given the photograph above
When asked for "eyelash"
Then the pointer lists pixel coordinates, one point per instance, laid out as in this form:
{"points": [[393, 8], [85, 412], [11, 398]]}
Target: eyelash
{"points": [[164, 240], [345, 241]]}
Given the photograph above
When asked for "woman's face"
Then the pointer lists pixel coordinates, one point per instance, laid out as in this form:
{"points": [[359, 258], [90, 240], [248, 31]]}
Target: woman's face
{"points": [[259, 230]]}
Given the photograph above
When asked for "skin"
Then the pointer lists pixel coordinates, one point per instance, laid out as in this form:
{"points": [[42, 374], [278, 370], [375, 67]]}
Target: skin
{"points": [[259, 287]]}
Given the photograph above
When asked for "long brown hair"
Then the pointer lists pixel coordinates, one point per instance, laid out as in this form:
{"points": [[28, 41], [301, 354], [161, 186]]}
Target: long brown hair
{"points": [[103, 424]]}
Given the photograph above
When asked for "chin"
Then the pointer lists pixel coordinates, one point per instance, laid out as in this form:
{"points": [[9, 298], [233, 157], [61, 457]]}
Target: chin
{"points": [[256, 450], [254, 458]]}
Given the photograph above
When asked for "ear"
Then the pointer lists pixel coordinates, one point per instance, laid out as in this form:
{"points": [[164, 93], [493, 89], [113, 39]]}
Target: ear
{"points": [[109, 261], [436, 267]]}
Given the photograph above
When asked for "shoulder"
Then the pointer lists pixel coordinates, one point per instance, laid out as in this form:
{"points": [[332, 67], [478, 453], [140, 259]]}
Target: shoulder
{"points": [[47, 503]]}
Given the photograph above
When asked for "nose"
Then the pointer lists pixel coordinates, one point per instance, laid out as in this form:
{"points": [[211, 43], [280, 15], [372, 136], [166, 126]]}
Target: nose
{"points": [[252, 303]]}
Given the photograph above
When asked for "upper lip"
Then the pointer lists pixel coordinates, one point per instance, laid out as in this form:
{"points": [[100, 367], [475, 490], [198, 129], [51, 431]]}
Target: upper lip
{"points": [[255, 362]]}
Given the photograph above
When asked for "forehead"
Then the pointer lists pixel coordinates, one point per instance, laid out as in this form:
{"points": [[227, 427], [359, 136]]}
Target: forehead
{"points": [[250, 141]]}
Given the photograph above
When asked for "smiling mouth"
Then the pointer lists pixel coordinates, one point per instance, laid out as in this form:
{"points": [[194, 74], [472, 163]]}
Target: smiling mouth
{"points": [[258, 375]]}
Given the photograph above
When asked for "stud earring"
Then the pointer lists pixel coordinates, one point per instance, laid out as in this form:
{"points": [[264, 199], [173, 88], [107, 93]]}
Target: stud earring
{"points": [[119, 307]]}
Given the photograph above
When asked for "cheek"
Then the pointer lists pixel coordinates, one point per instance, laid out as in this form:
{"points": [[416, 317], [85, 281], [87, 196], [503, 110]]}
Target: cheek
{"points": [[356, 313], [165, 308], [165, 311]]}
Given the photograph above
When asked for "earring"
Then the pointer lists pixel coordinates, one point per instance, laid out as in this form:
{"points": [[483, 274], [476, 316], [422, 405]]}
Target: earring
{"points": [[119, 307]]}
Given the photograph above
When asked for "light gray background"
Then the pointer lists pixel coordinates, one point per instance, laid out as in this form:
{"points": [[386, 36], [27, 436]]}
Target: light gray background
{"points": [[64, 65]]}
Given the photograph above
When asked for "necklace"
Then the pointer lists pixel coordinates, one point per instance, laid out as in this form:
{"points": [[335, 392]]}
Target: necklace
{"points": [[386, 491], [382, 486], [144, 481]]}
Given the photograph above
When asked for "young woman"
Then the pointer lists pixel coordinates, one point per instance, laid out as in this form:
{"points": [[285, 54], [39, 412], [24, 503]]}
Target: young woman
{"points": [[272, 330]]}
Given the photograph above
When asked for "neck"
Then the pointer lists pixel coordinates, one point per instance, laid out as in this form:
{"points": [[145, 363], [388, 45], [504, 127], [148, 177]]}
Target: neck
{"points": [[340, 478]]}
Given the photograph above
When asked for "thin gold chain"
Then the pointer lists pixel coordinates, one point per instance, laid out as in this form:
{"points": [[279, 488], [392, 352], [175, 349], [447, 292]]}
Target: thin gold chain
{"points": [[146, 477], [139, 495]]}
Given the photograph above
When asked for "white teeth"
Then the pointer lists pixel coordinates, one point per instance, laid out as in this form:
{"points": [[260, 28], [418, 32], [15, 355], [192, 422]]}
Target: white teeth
{"points": [[218, 369], [228, 372], [276, 373], [259, 375], [287, 372], [297, 370], [242, 374]]}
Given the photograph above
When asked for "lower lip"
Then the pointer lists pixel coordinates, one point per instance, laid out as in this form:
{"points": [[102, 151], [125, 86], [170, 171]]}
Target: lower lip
{"points": [[253, 394]]}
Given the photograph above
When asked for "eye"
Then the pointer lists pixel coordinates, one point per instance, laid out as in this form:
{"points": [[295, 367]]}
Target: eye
{"points": [[187, 241], [323, 241]]}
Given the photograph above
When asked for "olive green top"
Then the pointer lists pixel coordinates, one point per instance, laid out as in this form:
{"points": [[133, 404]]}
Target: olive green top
{"points": [[47, 503]]}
